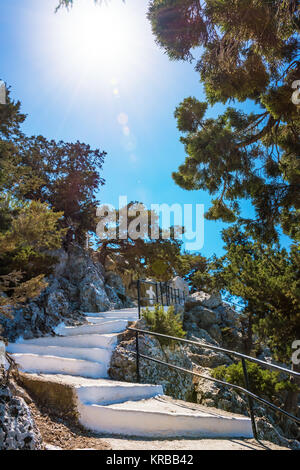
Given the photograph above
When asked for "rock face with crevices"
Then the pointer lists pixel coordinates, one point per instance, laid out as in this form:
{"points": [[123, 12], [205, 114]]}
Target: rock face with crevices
{"points": [[123, 365], [78, 284], [208, 319], [17, 428]]}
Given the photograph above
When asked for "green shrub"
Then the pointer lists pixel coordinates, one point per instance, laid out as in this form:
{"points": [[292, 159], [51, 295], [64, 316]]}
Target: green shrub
{"points": [[262, 382], [166, 323]]}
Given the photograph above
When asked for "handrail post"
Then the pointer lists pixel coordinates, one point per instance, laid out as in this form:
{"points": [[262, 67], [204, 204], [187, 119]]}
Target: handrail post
{"points": [[156, 292], [250, 402], [138, 379], [139, 297], [161, 294]]}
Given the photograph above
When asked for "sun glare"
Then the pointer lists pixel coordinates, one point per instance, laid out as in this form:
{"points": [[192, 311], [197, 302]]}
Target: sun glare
{"points": [[98, 38]]}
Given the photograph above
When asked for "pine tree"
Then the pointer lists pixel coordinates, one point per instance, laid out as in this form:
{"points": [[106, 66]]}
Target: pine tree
{"points": [[267, 278], [46, 187], [247, 50], [143, 256]]}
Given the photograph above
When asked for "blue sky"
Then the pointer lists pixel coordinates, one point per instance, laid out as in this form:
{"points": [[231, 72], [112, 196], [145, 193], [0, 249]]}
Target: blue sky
{"points": [[111, 87]]}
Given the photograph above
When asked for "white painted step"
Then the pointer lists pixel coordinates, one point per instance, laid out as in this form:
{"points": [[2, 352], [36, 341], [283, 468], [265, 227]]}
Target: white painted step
{"points": [[116, 314], [111, 393], [80, 358], [83, 341], [113, 326], [87, 354], [33, 363], [103, 391], [121, 310], [155, 418], [105, 320]]}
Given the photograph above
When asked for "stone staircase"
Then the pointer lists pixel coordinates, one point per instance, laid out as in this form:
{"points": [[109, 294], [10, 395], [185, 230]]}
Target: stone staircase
{"points": [[79, 357]]}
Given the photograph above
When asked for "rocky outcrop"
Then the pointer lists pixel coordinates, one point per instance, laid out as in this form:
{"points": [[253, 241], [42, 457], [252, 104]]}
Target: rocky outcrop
{"points": [[115, 291], [123, 364], [203, 299], [17, 428], [269, 432], [78, 284], [207, 312], [206, 357], [210, 321]]}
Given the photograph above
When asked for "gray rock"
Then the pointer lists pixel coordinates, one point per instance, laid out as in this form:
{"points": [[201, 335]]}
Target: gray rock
{"points": [[206, 357], [268, 432], [200, 335], [179, 310], [116, 292], [57, 304], [203, 299], [114, 299], [115, 281], [62, 259], [17, 428], [77, 285], [215, 332], [204, 316], [227, 315], [175, 384], [92, 294]]}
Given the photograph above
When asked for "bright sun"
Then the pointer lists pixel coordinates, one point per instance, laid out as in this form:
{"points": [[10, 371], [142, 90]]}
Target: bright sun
{"points": [[98, 37]]}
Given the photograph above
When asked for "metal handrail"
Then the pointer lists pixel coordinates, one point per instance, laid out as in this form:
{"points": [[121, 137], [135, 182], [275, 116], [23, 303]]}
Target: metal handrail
{"points": [[218, 348], [222, 382], [251, 396]]}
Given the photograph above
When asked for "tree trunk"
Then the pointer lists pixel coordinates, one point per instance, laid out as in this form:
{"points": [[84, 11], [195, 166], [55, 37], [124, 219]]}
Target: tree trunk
{"points": [[291, 402]]}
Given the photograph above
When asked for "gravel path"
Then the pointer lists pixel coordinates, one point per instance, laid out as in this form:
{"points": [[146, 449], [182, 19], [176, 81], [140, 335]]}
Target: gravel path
{"points": [[188, 444]]}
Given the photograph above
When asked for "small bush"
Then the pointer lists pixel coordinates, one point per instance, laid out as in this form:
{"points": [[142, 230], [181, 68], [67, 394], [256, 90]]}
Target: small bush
{"points": [[262, 382], [166, 323]]}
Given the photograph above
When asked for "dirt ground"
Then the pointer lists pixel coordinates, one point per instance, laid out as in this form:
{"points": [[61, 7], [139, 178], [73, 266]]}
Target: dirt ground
{"points": [[190, 444], [63, 433]]}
